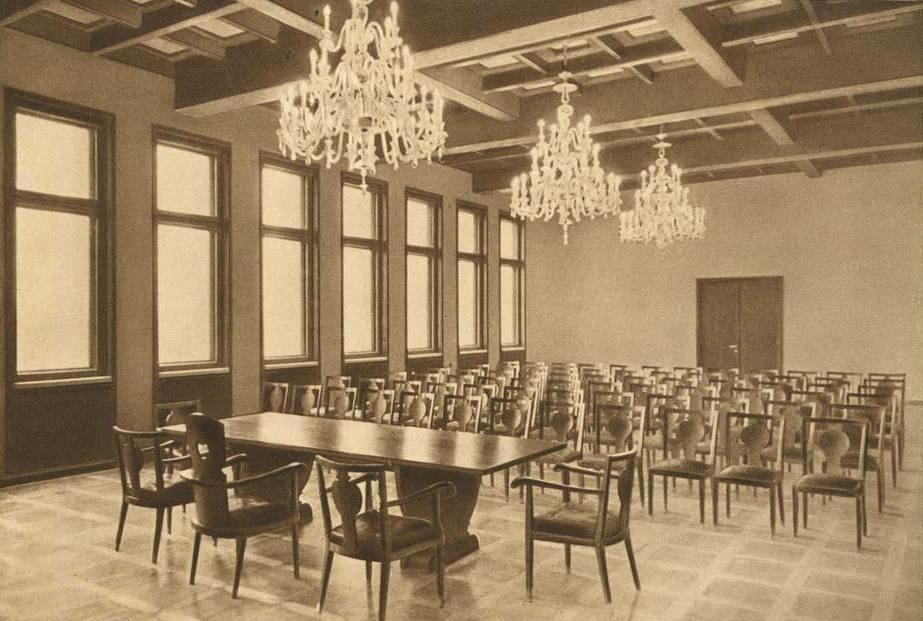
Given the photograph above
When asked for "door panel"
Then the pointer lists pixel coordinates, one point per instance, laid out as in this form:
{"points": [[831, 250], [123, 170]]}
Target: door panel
{"points": [[760, 324], [717, 323]]}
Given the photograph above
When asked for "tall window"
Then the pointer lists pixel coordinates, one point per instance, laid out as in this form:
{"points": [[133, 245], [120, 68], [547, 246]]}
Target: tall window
{"points": [[190, 201], [424, 257], [472, 277], [288, 261], [58, 226], [512, 283], [363, 269]]}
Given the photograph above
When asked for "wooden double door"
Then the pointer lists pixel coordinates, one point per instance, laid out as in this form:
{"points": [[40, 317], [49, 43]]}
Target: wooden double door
{"points": [[739, 323]]}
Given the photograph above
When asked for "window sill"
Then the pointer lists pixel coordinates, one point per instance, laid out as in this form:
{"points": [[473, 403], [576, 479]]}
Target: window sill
{"points": [[192, 372], [467, 352], [513, 348], [363, 359], [302, 364], [64, 381], [424, 354]]}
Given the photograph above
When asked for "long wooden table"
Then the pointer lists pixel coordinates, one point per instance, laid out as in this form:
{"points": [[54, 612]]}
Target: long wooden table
{"points": [[419, 457]]}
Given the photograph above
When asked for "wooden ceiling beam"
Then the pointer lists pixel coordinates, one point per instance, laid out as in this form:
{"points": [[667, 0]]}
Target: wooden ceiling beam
{"points": [[857, 107], [773, 125], [808, 8], [256, 23], [288, 12], [533, 61], [11, 11], [610, 46], [465, 87], [159, 23], [126, 13], [202, 44]]}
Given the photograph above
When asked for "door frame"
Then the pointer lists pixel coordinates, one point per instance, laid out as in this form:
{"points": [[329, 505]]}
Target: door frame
{"points": [[698, 313]]}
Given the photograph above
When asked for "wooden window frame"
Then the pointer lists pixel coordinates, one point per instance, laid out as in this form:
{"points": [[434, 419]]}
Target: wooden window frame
{"points": [[308, 237], [98, 209], [434, 253], [519, 264], [480, 260], [379, 247], [218, 226]]}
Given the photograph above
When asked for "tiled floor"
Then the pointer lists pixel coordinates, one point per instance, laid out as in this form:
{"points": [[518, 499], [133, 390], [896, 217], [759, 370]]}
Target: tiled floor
{"points": [[57, 562]]}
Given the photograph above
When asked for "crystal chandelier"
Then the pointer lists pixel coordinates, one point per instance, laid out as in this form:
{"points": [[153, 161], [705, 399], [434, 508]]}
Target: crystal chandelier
{"points": [[662, 212], [370, 104], [566, 179]]}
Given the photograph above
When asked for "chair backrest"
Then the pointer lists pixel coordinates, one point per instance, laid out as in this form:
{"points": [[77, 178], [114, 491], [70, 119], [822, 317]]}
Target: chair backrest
{"points": [[625, 476], [832, 436], [205, 445], [450, 403], [380, 406], [275, 396], [129, 445], [339, 401], [689, 427], [419, 411], [174, 413], [757, 431], [304, 399], [618, 420], [510, 412], [348, 500], [874, 414], [564, 422]]}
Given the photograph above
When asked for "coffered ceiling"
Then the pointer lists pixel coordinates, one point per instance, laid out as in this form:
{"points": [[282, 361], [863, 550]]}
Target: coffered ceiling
{"points": [[742, 87]]}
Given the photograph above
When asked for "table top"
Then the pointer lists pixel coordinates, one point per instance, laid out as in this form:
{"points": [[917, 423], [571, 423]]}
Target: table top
{"points": [[404, 446]]}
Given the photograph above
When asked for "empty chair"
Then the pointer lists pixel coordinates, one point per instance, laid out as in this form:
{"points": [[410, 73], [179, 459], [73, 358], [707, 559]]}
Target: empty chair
{"points": [[756, 433], [578, 524], [275, 395], [375, 535], [878, 439], [790, 438], [619, 431], [154, 488], [829, 435], [304, 399], [237, 516]]}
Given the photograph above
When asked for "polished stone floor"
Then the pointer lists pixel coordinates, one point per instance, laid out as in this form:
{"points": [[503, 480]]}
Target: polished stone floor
{"points": [[57, 562]]}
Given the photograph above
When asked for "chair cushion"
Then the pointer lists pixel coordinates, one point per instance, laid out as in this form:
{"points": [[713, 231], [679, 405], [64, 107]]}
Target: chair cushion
{"points": [[790, 454], [176, 491], [681, 466], [405, 532], [250, 512], [598, 462], [749, 474], [574, 520], [563, 456], [828, 483], [851, 461]]}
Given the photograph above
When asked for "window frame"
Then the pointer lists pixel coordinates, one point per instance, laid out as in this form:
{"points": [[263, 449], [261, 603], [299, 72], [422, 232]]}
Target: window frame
{"points": [[435, 254], [101, 214], [480, 261], [379, 248], [308, 237], [217, 225], [519, 265]]}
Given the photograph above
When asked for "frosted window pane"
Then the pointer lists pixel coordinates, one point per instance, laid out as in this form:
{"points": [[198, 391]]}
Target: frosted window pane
{"points": [[185, 295], [420, 223], [185, 181], [509, 306], [468, 239], [283, 298], [419, 302], [509, 239], [54, 157], [283, 198], [359, 213], [468, 300], [358, 300], [53, 291]]}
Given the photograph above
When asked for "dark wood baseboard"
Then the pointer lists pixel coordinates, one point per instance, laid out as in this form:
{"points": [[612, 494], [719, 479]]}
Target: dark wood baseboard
{"points": [[55, 473]]}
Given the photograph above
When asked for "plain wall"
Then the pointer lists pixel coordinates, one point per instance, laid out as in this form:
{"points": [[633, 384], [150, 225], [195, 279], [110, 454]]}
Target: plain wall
{"points": [[849, 246], [139, 100]]}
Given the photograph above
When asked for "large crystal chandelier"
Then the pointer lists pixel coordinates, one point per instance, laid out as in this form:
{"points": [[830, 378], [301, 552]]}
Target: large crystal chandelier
{"points": [[370, 104], [566, 179], [662, 213]]}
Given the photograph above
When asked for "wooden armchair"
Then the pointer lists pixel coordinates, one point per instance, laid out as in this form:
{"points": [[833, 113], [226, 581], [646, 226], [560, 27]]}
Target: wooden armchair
{"points": [[154, 488], [756, 433], [619, 426], [829, 435], [577, 524], [235, 516], [374, 535], [879, 440]]}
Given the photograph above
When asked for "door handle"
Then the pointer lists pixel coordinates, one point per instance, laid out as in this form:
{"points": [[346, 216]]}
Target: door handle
{"points": [[734, 347]]}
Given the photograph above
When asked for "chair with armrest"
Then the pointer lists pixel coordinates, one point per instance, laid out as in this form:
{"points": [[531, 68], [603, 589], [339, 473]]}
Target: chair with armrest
{"points": [[374, 535], [578, 524], [238, 515], [619, 431], [878, 440]]}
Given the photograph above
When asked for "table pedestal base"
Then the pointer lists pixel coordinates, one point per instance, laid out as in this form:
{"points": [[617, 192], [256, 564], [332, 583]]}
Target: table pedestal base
{"points": [[456, 512], [261, 460]]}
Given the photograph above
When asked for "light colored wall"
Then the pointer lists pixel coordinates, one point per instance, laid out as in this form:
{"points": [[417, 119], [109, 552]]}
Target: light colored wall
{"points": [[139, 100], [848, 244]]}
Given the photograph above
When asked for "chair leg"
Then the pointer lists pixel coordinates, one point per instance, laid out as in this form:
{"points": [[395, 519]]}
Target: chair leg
{"points": [[567, 557], [858, 522], [727, 501], [650, 493], [239, 564], [440, 574], [506, 484], [603, 572], [631, 562], [804, 497], [530, 555], [368, 574], [893, 465], [772, 513], [781, 503], [325, 577], [641, 479], [383, 590], [158, 529], [169, 520], [865, 517], [295, 556], [196, 542], [701, 500], [665, 486], [714, 502], [123, 513], [881, 488], [794, 511]]}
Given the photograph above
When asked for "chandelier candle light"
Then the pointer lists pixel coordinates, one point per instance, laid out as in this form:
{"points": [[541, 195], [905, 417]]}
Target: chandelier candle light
{"points": [[566, 179], [370, 103], [662, 213]]}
